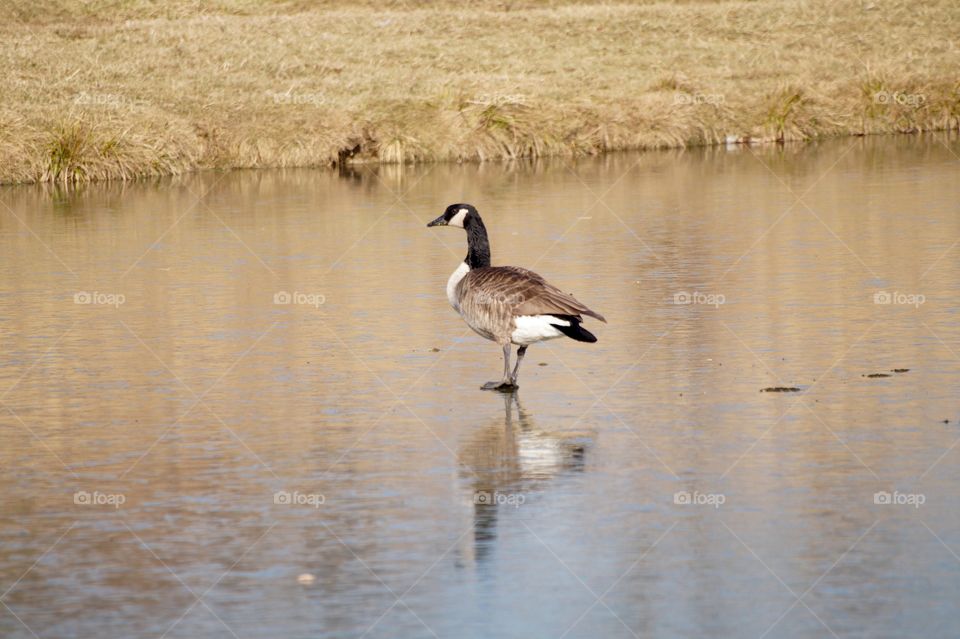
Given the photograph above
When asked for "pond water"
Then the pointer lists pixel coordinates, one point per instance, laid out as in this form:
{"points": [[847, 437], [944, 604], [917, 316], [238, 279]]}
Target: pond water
{"points": [[239, 405]]}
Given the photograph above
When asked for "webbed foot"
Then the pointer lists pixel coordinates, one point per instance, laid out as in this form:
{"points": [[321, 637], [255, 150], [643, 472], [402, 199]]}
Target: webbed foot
{"points": [[504, 386]]}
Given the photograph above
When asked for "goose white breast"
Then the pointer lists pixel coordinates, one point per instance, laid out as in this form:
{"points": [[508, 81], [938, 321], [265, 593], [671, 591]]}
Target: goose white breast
{"points": [[455, 278]]}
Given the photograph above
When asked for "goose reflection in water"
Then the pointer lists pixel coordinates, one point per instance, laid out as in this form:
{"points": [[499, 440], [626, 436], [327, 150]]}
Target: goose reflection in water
{"points": [[509, 460]]}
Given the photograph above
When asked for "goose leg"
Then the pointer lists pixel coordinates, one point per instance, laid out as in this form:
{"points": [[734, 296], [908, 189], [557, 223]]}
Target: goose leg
{"points": [[516, 369], [506, 384]]}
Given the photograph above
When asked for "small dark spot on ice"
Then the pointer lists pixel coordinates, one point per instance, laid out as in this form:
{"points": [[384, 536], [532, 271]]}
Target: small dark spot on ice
{"points": [[899, 370], [434, 350], [875, 375], [780, 389], [542, 364], [946, 421]]}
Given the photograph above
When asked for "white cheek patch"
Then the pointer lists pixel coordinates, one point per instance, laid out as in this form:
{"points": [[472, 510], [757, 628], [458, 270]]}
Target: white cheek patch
{"points": [[457, 220]]}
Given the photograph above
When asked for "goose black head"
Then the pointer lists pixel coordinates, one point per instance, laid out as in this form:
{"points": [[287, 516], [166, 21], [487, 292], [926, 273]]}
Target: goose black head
{"points": [[458, 215], [465, 216]]}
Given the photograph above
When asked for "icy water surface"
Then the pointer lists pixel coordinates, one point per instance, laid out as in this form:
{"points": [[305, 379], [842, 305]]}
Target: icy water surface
{"points": [[239, 405]]}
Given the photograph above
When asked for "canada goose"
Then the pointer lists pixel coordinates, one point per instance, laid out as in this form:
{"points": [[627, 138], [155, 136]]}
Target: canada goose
{"points": [[507, 304]]}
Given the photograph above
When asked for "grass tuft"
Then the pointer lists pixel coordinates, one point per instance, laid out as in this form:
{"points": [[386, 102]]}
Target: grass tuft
{"points": [[69, 153], [789, 115]]}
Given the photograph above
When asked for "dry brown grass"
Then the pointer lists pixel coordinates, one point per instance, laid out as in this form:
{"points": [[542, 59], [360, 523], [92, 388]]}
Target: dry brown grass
{"points": [[112, 90]]}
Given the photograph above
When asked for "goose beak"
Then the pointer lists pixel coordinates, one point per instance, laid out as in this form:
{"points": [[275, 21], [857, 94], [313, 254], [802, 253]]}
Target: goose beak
{"points": [[438, 222]]}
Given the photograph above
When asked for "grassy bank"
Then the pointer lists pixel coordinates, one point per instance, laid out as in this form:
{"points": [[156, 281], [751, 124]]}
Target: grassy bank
{"points": [[113, 90]]}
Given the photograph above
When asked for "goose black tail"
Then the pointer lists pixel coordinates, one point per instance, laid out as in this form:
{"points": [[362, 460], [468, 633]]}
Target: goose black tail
{"points": [[574, 330]]}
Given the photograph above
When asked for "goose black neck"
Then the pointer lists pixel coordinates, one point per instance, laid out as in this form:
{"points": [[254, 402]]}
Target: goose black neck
{"points": [[478, 247]]}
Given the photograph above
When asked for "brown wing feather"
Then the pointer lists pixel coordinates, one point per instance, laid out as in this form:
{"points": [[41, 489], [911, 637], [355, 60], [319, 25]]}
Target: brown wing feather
{"points": [[526, 292]]}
